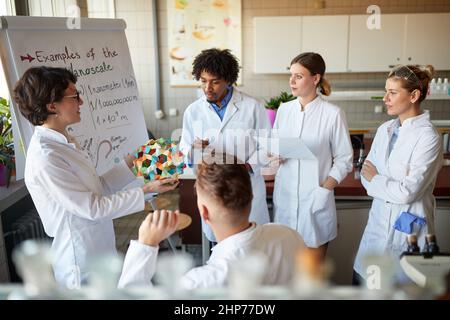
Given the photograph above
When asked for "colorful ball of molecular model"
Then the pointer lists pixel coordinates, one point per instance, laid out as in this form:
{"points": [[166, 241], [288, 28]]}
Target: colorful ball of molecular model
{"points": [[159, 159]]}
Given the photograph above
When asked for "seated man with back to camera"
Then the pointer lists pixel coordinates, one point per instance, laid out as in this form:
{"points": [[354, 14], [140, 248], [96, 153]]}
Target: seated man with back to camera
{"points": [[224, 194]]}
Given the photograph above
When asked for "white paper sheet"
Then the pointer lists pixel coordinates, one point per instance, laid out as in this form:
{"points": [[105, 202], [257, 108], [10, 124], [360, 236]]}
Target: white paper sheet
{"points": [[288, 148]]}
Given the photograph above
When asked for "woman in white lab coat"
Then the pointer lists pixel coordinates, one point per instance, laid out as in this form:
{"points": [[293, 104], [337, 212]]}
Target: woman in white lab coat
{"points": [[226, 120], [75, 204], [224, 198], [400, 170], [303, 194]]}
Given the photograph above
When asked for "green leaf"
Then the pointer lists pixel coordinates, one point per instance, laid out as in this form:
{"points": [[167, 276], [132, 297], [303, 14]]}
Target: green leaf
{"points": [[6, 137], [275, 102]]}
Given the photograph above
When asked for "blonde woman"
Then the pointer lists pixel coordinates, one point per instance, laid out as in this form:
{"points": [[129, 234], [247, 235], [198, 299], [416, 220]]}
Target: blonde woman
{"points": [[400, 170]]}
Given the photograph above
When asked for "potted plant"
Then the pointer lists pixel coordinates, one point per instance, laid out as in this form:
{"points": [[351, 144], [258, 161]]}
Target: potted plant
{"points": [[274, 103], [6, 143]]}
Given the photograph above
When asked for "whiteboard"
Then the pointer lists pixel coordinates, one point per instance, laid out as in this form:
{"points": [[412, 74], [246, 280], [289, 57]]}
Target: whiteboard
{"points": [[112, 121]]}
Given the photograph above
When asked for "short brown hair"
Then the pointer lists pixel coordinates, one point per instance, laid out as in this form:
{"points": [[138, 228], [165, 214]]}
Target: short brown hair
{"points": [[413, 77], [228, 182], [38, 87], [315, 65]]}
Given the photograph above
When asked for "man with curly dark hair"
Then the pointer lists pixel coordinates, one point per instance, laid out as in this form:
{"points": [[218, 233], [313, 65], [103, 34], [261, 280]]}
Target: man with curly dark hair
{"points": [[220, 63], [225, 119]]}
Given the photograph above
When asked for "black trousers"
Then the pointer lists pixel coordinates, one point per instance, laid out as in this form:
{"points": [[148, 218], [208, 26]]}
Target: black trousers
{"points": [[357, 279]]}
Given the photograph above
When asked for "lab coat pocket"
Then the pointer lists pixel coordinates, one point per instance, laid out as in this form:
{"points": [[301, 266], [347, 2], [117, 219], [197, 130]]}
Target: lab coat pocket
{"points": [[321, 198], [319, 225]]}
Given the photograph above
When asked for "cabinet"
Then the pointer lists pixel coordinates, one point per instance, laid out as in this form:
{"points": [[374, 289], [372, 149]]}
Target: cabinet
{"points": [[442, 223], [348, 45], [14, 201], [427, 40], [377, 49], [328, 36], [403, 39], [277, 41], [351, 219]]}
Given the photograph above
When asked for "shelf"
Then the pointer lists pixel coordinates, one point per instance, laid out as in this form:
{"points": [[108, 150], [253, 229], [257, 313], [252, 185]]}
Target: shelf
{"points": [[371, 95], [443, 126], [355, 95], [438, 97], [441, 123], [359, 131]]}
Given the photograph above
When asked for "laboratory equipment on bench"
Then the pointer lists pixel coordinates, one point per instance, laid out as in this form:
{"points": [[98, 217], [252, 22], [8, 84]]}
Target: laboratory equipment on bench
{"points": [[427, 268], [358, 143]]}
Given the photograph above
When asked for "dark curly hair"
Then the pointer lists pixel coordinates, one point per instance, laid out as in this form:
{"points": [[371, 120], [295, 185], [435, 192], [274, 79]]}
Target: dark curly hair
{"points": [[221, 63], [39, 87], [226, 179]]}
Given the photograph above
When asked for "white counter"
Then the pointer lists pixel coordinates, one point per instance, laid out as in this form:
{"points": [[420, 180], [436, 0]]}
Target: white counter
{"points": [[371, 95]]}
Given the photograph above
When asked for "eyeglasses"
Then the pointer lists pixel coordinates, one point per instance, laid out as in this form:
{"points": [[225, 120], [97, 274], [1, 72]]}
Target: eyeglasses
{"points": [[76, 95], [406, 73]]}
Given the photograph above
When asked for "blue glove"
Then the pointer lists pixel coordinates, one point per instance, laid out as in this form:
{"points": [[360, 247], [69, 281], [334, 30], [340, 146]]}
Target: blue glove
{"points": [[405, 221]]}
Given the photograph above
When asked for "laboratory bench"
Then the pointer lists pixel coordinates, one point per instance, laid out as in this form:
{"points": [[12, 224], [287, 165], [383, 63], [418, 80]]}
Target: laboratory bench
{"points": [[352, 188], [15, 203], [370, 127], [9, 197]]}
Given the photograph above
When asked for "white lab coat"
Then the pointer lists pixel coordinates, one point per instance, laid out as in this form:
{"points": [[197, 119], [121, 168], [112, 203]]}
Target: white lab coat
{"points": [[244, 117], [75, 204], [299, 201], [404, 183], [279, 244]]}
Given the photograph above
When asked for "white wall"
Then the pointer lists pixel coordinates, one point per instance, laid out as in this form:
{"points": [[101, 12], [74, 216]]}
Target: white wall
{"points": [[50, 8], [138, 16], [101, 9]]}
